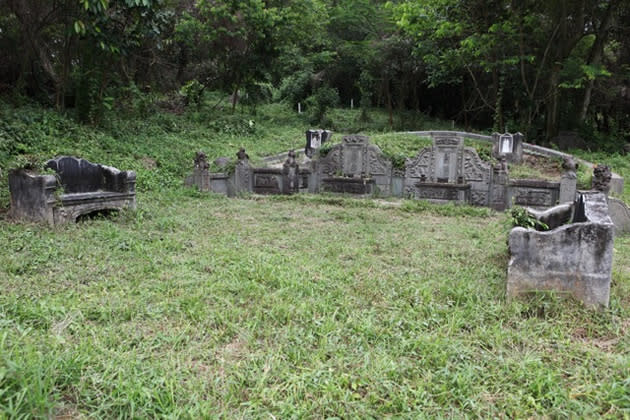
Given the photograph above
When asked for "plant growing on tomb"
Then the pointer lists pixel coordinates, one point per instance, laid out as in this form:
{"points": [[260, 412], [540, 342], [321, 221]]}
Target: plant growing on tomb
{"points": [[325, 148], [519, 216]]}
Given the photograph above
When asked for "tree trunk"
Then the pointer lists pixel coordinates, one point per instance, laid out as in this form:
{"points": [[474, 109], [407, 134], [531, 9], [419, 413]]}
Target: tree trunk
{"points": [[552, 104], [595, 56], [235, 98], [388, 93]]}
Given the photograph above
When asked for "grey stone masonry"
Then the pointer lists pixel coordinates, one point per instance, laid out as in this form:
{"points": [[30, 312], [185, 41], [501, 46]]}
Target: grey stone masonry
{"points": [[616, 182], [200, 176], [79, 187], [602, 175], [573, 258], [290, 175], [243, 178], [533, 193]]}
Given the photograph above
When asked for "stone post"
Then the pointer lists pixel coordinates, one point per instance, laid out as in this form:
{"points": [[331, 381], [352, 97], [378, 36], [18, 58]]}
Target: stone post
{"points": [[242, 173], [201, 175], [290, 175], [568, 181], [499, 189]]}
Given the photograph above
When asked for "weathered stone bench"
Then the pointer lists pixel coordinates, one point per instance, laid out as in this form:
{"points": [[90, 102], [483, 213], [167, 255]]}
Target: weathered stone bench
{"points": [[573, 258], [79, 187]]}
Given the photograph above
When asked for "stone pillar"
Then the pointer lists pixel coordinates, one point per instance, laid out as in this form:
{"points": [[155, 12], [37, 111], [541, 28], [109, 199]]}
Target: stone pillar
{"points": [[201, 175], [499, 188], [242, 173], [290, 175], [568, 181]]}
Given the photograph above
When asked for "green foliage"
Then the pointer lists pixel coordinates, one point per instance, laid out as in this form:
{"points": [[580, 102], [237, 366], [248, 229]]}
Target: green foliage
{"points": [[134, 103], [366, 87], [318, 103], [192, 92], [232, 125], [519, 216], [325, 149], [295, 87]]}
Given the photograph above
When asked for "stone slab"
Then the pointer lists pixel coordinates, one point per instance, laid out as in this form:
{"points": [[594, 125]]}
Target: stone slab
{"points": [[620, 215]]}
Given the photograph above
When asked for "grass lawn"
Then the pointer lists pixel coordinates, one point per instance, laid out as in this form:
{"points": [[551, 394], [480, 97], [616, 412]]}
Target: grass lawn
{"points": [[198, 305]]}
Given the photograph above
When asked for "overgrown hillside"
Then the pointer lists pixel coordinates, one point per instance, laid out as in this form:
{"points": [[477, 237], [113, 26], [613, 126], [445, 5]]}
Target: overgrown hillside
{"points": [[160, 145]]}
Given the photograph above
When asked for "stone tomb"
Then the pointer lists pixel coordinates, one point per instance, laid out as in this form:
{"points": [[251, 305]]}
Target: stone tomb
{"points": [[242, 177], [448, 171], [355, 166], [278, 181]]}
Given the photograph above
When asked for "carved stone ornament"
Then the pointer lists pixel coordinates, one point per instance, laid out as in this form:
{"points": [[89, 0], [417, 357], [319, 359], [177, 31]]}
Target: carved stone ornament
{"points": [[201, 161], [420, 165], [242, 155], [601, 178], [474, 168]]}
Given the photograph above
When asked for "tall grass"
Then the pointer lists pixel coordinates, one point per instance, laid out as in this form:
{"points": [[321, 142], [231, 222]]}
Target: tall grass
{"points": [[198, 305]]}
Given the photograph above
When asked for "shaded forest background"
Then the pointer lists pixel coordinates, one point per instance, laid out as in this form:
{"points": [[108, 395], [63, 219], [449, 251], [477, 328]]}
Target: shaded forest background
{"points": [[535, 66]]}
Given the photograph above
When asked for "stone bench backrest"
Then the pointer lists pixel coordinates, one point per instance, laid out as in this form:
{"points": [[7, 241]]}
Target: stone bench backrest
{"points": [[82, 176]]}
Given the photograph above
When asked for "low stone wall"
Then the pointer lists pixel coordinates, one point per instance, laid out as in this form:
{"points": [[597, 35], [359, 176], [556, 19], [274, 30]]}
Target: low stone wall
{"points": [[533, 193], [574, 259]]}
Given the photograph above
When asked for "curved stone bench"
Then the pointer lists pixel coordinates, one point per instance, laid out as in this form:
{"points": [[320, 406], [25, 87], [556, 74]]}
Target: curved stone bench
{"points": [[573, 258], [79, 187]]}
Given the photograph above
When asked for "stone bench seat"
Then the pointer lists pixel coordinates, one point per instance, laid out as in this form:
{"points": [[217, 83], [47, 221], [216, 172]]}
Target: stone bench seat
{"points": [[79, 187]]}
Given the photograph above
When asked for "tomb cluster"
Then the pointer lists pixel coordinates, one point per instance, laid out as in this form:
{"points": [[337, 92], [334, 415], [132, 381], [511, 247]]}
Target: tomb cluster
{"points": [[573, 255]]}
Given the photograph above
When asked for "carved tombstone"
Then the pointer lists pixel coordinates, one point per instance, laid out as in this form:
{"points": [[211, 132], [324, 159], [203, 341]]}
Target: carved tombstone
{"points": [[509, 146], [448, 171], [356, 158], [447, 158]]}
